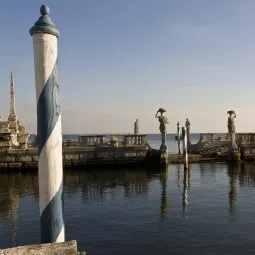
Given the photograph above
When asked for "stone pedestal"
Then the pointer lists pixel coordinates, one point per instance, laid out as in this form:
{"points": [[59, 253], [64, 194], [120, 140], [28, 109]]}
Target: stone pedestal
{"points": [[163, 141], [163, 157]]}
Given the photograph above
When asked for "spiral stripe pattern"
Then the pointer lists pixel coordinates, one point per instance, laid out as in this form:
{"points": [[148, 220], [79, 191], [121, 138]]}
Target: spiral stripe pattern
{"points": [[49, 138]]}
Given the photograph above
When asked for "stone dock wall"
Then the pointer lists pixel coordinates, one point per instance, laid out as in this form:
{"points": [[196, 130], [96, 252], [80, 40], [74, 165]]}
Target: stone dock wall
{"points": [[76, 157], [64, 248]]}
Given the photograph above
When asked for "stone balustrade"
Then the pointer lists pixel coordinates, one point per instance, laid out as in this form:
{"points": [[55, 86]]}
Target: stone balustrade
{"points": [[245, 138], [241, 138], [112, 140], [207, 137], [212, 137]]}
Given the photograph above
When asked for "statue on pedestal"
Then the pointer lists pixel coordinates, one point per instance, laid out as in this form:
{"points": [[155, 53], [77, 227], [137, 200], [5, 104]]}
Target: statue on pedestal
{"points": [[233, 153], [162, 127]]}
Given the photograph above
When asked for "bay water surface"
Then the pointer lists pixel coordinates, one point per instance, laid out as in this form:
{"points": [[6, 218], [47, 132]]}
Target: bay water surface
{"points": [[208, 210]]}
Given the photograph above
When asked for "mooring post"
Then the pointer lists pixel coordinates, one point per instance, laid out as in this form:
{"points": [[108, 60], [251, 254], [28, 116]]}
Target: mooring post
{"points": [[49, 130], [187, 125], [185, 150], [179, 137]]}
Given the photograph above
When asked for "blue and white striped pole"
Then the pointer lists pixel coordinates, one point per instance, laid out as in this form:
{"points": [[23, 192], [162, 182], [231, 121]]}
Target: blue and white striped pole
{"points": [[49, 130]]}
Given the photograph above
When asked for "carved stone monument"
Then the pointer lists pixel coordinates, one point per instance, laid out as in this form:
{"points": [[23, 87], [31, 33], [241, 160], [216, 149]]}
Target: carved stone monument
{"points": [[233, 152], [13, 125], [162, 127], [12, 134]]}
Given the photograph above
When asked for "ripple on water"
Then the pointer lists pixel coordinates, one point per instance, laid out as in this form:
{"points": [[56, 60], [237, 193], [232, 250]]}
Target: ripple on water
{"points": [[206, 211]]}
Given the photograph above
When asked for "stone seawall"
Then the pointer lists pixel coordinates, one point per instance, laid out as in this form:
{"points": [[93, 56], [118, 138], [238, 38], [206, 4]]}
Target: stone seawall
{"points": [[64, 248], [76, 157]]}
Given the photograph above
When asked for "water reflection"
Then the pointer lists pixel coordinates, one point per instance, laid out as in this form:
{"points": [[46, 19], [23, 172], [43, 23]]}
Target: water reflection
{"points": [[178, 173], [164, 202], [186, 187], [234, 171], [95, 185], [247, 175], [147, 190], [12, 188]]}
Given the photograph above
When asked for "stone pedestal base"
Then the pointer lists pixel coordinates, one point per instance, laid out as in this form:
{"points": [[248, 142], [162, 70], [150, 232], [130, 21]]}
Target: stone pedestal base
{"points": [[234, 156], [233, 152], [163, 157]]}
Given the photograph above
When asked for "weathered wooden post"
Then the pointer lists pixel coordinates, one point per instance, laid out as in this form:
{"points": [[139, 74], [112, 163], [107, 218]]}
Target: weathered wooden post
{"points": [[187, 125], [233, 152], [179, 137], [185, 151], [49, 130]]}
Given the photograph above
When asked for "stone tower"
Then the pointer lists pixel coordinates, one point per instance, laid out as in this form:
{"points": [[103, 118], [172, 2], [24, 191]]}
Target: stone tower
{"points": [[13, 125]]}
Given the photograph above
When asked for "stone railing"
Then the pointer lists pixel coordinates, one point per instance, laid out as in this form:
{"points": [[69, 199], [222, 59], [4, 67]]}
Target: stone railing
{"points": [[112, 140], [243, 138], [207, 137], [212, 137]]}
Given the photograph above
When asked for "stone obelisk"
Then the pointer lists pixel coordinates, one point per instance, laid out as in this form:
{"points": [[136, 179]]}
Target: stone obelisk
{"points": [[13, 125], [49, 129]]}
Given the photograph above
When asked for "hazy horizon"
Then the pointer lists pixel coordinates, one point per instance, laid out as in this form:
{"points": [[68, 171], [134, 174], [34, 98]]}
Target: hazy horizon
{"points": [[121, 60]]}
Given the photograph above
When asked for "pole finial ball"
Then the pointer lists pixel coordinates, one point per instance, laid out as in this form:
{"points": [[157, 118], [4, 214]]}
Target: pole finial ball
{"points": [[45, 10]]}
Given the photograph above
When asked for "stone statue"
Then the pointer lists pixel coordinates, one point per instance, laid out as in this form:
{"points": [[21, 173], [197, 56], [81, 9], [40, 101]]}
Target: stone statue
{"points": [[187, 124], [136, 127], [162, 127], [162, 120], [231, 122], [233, 152]]}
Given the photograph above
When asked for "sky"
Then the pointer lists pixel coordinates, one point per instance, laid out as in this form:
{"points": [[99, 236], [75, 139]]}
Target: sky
{"points": [[121, 60]]}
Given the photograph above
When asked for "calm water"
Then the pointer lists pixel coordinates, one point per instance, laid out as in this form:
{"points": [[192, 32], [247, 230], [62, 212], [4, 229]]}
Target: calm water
{"points": [[154, 141], [208, 211]]}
